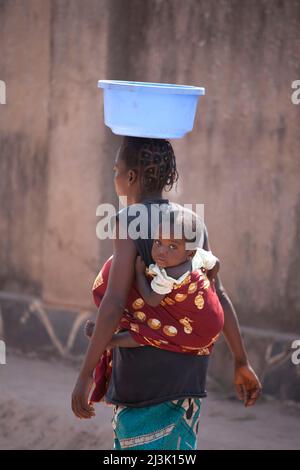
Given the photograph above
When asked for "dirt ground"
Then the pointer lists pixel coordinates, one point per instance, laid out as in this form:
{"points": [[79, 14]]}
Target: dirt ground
{"points": [[35, 414]]}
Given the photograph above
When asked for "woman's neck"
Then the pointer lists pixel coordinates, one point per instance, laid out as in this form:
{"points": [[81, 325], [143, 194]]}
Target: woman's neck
{"points": [[142, 197]]}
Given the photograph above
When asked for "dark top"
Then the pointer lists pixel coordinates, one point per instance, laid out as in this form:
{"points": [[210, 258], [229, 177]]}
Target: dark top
{"points": [[147, 375]]}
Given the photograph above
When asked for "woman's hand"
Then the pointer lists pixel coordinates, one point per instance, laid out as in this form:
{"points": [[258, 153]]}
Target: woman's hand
{"points": [[140, 265], [247, 384], [81, 406]]}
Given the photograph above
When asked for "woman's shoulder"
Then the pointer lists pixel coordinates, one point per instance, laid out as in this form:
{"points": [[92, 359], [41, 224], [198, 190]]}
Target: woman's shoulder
{"points": [[144, 210], [130, 213]]}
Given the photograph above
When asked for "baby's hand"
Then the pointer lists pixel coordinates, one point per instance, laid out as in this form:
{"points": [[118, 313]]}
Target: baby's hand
{"points": [[89, 328], [212, 273], [140, 265]]}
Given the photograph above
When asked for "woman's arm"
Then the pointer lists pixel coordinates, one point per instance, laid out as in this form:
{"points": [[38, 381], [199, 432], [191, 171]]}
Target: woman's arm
{"points": [[247, 384], [120, 280]]}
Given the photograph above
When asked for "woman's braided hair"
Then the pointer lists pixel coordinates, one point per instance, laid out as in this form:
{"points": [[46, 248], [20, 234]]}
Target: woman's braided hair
{"points": [[154, 161]]}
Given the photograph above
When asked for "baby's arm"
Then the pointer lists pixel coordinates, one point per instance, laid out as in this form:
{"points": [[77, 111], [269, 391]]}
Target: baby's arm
{"points": [[123, 339], [212, 273], [150, 297]]}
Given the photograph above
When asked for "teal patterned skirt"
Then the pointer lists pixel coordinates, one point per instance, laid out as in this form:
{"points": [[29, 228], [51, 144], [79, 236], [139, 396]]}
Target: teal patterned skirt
{"points": [[169, 425]]}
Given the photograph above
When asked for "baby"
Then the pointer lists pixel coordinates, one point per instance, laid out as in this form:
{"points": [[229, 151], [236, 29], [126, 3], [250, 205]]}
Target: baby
{"points": [[173, 264], [172, 304]]}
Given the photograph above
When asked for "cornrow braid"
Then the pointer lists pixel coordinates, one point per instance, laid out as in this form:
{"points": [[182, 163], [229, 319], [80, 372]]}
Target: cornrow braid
{"points": [[154, 160]]}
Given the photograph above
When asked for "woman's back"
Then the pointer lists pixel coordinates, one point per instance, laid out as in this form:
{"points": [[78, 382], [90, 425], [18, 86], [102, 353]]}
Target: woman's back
{"points": [[148, 375]]}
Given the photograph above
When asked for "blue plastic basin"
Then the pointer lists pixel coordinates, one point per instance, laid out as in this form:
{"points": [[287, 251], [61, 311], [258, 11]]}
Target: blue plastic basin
{"points": [[142, 109]]}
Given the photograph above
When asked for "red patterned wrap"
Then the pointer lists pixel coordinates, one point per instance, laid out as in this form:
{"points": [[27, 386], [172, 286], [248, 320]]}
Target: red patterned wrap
{"points": [[189, 320]]}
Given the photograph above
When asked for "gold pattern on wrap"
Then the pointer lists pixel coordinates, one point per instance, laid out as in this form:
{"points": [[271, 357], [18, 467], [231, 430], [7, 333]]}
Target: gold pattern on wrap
{"points": [[135, 327], [186, 322], [192, 288], [185, 281], [154, 342], [203, 352], [169, 301], [154, 323], [140, 315], [98, 281], [180, 297], [138, 304], [199, 301], [170, 330]]}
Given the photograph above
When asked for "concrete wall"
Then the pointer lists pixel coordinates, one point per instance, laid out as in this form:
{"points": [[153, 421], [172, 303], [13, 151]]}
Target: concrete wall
{"points": [[241, 160], [25, 64]]}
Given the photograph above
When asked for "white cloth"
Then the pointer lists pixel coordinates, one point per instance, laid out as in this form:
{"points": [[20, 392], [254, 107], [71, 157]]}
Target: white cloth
{"points": [[163, 284]]}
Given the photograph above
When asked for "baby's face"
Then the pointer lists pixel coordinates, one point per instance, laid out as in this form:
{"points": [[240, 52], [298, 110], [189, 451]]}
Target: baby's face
{"points": [[168, 252]]}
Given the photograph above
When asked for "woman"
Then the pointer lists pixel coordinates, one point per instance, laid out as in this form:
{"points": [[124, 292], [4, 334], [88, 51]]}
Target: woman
{"points": [[156, 393]]}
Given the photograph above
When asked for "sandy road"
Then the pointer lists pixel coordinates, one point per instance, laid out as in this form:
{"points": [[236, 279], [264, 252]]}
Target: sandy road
{"points": [[35, 414]]}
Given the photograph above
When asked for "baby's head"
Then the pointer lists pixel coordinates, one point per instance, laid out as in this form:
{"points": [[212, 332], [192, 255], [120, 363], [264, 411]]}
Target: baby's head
{"points": [[177, 237]]}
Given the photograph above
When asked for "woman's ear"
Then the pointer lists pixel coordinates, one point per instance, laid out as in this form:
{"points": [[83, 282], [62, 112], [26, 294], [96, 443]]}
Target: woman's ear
{"points": [[132, 176]]}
